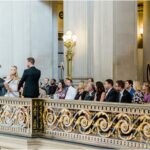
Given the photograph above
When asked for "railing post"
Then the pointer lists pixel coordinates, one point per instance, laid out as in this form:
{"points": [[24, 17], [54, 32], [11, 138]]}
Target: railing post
{"points": [[37, 116]]}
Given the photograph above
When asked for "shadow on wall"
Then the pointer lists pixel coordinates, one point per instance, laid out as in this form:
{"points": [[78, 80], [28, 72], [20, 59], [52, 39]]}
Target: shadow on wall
{"points": [[148, 72], [46, 2]]}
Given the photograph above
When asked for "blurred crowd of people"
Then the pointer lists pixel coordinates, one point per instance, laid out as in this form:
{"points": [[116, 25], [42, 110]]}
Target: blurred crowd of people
{"points": [[29, 86], [121, 91]]}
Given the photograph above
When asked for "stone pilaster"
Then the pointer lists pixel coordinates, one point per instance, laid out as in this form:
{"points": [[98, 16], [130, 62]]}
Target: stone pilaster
{"points": [[146, 37], [76, 20], [107, 38], [26, 30]]}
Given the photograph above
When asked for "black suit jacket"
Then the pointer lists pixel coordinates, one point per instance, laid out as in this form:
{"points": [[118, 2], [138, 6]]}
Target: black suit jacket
{"points": [[52, 89], [126, 98], [47, 89], [31, 78], [112, 96], [2, 88], [1, 83]]}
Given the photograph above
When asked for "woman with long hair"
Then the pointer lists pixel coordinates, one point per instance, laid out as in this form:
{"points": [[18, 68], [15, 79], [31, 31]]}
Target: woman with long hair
{"points": [[11, 83], [61, 91], [100, 92], [146, 90]]}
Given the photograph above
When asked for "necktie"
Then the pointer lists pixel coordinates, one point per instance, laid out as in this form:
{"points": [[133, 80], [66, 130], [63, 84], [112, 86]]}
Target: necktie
{"points": [[120, 97]]}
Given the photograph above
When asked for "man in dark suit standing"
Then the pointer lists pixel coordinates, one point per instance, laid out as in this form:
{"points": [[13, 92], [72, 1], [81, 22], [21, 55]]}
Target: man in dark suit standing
{"points": [[30, 80], [124, 95], [111, 93]]}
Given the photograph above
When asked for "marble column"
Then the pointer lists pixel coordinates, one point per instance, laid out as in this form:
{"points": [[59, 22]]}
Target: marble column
{"points": [[146, 37], [54, 62], [76, 20], [125, 40], [115, 40], [140, 71], [107, 38], [6, 43], [103, 40], [26, 30]]}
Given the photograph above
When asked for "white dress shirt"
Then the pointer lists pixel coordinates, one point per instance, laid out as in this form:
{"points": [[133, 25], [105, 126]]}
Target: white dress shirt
{"points": [[121, 94], [108, 91], [71, 93]]}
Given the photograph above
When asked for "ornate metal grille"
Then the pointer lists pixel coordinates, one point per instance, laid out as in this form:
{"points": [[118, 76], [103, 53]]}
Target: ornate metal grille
{"points": [[103, 124]]}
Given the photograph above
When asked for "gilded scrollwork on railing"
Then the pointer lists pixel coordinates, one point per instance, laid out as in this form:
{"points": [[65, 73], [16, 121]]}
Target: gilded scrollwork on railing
{"points": [[14, 116], [105, 124], [112, 125]]}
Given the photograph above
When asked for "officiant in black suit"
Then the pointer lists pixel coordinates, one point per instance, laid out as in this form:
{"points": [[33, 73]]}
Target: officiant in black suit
{"points": [[30, 80]]}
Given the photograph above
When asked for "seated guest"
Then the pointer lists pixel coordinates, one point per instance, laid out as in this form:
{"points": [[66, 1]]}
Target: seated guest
{"points": [[46, 86], [71, 91], [90, 80], [80, 92], [53, 87], [100, 92], [124, 95], [146, 90], [42, 93], [138, 96], [90, 95], [85, 86], [61, 91], [129, 87], [111, 93]]}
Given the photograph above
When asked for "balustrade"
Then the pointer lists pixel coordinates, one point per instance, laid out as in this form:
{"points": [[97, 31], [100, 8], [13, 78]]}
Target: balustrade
{"points": [[112, 125]]}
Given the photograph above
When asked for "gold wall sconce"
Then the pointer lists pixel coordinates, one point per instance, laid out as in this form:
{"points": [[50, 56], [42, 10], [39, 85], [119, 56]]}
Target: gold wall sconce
{"points": [[69, 42]]}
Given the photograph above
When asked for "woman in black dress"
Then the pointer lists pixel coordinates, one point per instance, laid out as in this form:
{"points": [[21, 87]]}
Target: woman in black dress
{"points": [[100, 92], [61, 91]]}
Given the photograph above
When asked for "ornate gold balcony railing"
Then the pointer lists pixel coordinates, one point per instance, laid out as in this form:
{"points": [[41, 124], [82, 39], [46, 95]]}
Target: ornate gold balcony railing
{"points": [[20, 116], [103, 124]]}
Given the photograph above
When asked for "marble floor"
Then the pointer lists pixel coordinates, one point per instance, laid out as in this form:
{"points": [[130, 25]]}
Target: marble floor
{"points": [[16, 143]]}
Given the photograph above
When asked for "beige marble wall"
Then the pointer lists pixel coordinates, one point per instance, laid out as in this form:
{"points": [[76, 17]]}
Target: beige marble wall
{"points": [[76, 20], [103, 40], [125, 40], [146, 37], [107, 38], [140, 44], [54, 40], [140, 64], [26, 30], [106, 30]]}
